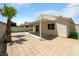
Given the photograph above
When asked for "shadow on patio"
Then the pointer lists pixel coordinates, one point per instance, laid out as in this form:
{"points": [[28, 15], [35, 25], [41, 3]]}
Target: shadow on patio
{"points": [[44, 36], [50, 37], [18, 36], [19, 41]]}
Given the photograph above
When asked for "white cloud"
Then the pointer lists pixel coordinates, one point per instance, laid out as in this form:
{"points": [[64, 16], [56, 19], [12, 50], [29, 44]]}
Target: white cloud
{"points": [[47, 12], [73, 4], [71, 11]]}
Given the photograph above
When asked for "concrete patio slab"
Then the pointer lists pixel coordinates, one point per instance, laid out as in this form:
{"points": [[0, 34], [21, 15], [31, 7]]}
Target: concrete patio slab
{"points": [[26, 44]]}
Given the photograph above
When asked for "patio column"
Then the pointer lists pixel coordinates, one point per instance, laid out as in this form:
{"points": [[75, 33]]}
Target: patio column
{"points": [[40, 29], [41, 26]]}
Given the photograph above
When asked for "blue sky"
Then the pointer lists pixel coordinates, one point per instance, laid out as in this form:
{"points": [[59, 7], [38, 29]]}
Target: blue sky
{"points": [[30, 11]]}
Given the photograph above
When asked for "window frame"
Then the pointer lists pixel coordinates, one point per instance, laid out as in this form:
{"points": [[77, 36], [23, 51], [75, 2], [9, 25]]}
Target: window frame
{"points": [[51, 26]]}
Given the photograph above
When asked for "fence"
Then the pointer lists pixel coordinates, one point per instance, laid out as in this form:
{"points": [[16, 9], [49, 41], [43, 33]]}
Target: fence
{"points": [[21, 29], [77, 28], [3, 45]]}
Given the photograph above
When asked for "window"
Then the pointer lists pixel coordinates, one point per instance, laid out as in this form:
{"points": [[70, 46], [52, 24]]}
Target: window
{"points": [[48, 26], [51, 26]]}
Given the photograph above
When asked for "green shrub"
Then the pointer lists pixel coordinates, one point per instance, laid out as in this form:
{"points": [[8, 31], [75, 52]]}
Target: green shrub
{"points": [[74, 35]]}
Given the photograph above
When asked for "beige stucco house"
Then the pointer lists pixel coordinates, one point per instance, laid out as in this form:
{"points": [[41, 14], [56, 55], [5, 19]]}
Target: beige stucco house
{"points": [[53, 25]]}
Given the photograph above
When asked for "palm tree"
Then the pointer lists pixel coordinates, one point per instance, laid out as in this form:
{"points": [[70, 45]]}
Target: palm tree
{"points": [[8, 12]]}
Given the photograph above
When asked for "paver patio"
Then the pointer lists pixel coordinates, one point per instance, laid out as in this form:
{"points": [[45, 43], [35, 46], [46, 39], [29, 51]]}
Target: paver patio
{"points": [[26, 44]]}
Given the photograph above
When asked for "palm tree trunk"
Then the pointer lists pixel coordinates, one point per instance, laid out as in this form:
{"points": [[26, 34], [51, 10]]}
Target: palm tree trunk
{"points": [[8, 31]]}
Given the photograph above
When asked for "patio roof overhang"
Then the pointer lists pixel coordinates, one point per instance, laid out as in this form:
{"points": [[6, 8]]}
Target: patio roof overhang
{"points": [[48, 18], [44, 18]]}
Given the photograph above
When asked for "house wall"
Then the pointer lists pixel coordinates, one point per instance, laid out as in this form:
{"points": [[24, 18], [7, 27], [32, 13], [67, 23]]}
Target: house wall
{"points": [[44, 28], [49, 32], [34, 28], [66, 26], [62, 28]]}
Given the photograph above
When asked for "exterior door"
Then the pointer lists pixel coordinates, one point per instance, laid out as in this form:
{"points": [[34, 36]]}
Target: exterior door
{"points": [[37, 28]]}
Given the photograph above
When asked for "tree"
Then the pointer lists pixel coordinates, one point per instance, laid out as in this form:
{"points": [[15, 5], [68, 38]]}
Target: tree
{"points": [[8, 12]]}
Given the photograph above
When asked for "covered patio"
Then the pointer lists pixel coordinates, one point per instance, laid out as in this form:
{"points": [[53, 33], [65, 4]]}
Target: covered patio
{"points": [[43, 36], [40, 26]]}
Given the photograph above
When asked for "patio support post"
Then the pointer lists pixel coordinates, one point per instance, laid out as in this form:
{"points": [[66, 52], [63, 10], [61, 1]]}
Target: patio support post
{"points": [[40, 27]]}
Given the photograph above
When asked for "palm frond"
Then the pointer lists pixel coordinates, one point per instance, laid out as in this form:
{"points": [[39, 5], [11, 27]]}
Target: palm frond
{"points": [[8, 11]]}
